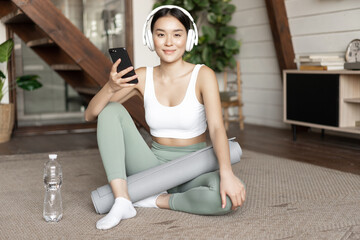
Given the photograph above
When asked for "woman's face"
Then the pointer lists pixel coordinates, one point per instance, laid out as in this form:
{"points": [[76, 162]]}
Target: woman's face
{"points": [[169, 37]]}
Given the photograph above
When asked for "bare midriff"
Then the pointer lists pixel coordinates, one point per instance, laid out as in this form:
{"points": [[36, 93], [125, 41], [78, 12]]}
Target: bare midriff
{"points": [[176, 142]]}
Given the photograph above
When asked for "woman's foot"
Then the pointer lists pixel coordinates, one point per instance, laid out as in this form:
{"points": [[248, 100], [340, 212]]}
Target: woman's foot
{"points": [[122, 209]]}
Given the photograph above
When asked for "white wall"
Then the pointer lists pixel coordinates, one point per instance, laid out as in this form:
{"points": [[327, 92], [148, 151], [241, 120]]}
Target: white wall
{"points": [[262, 85], [142, 55], [3, 66], [323, 26]]}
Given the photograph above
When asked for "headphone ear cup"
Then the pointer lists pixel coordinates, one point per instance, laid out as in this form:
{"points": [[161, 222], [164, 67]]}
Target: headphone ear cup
{"points": [[190, 40], [149, 40]]}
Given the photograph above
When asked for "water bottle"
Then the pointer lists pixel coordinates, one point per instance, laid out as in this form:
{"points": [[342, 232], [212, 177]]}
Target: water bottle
{"points": [[52, 182]]}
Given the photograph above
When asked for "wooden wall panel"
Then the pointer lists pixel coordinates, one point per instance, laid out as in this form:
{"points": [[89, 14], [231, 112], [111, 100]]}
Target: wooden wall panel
{"points": [[261, 81], [343, 21], [257, 50], [245, 5], [259, 65], [263, 96], [296, 8], [255, 16], [259, 33], [329, 43]]}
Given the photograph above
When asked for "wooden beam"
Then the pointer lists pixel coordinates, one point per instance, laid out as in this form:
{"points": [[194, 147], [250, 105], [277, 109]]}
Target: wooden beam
{"points": [[281, 34], [6, 8]]}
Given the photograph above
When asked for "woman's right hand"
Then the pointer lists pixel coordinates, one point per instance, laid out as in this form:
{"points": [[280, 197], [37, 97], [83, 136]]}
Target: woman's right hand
{"points": [[116, 82]]}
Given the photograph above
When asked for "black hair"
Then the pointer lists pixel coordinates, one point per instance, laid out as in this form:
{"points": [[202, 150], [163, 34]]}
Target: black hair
{"points": [[177, 13]]}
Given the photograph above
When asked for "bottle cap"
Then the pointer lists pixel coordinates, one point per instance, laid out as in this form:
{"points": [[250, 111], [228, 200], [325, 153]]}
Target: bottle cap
{"points": [[52, 156]]}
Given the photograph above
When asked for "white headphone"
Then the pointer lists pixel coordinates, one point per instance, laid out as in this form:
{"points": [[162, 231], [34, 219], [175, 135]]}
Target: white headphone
{"points": [[192, 36]]}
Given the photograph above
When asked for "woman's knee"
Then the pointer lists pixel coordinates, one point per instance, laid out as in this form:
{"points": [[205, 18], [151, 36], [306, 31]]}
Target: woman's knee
{"points": [[112, 109], [215, 203]]}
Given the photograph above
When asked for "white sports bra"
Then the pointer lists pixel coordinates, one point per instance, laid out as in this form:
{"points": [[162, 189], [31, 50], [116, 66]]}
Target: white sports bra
{"points": [[185, 120]]}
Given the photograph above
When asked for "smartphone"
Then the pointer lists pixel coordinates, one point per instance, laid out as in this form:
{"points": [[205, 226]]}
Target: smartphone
{"points": [[115, 54]]}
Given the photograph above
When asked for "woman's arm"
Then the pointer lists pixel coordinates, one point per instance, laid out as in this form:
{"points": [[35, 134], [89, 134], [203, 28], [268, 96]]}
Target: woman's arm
{"points": [[114, 90], [229, 184]]}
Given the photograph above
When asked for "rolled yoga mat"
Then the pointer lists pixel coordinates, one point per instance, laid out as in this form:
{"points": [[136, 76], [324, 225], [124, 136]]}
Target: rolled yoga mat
{"points": [[165, 176]]}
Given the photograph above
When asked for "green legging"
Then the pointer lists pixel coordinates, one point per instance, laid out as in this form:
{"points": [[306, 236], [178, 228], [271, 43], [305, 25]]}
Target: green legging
{"points": [[124, 152]]}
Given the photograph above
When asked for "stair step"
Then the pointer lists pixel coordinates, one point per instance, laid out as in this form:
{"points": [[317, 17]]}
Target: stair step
{"points": [[65, 67], [16, 17], [42, 42]]}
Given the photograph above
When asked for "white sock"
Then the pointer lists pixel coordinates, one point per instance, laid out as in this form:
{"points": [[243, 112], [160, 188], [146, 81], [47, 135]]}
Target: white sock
{"points": [[122, 209], [149, 202]]}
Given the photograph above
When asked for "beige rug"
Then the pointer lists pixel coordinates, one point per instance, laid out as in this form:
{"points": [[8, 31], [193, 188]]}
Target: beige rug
{"points": [[285, 200]]}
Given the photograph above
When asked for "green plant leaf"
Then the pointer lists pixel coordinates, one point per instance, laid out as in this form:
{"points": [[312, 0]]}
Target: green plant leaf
{"points": [[226, 19], [5, 50], [2, 82], [228, 53], [212, 18], [220, 65], [202, 40], [230, 9], [231, 44], [232, 62], [202, 3], [169, 2], [217, 7], [28, 82], [206, 55], [209, 32], [158, 4], [189, 5], [227, 30], [2, 75]]}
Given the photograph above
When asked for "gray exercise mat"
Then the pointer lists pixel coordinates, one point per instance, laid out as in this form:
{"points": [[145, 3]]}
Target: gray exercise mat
{"points": [[165, 176]]}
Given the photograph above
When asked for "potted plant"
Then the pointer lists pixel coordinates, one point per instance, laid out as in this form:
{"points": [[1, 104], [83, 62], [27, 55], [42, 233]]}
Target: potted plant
{"points": [[27, 82]]}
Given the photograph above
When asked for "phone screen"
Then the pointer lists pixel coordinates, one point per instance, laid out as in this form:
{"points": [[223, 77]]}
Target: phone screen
{"points": [[117, 53]]}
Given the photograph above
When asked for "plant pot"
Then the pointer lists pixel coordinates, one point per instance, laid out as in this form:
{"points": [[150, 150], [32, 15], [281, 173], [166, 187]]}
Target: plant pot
{"points": [[6, 121]]}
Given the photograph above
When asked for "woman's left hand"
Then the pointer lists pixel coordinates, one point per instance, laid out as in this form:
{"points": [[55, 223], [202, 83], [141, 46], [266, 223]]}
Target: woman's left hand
{"points": [[231, 186]]}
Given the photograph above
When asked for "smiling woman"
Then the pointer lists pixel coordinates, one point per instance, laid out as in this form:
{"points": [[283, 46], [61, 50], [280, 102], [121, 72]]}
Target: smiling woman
{"points": [[217, 47], [181, 102]]}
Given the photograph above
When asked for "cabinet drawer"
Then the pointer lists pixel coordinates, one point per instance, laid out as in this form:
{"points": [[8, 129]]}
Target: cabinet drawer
{"points": [[313, 98]]}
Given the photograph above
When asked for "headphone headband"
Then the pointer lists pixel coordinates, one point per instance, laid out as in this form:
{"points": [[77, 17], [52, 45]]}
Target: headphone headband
{"points": [[152, 13]]}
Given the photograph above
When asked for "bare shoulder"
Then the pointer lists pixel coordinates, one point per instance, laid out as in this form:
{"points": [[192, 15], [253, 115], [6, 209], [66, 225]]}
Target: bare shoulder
{"points": [[206, 75]]}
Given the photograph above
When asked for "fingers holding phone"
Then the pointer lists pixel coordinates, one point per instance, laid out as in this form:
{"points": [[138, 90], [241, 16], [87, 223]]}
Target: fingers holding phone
{"points": [[118, 80], [122, 72]]}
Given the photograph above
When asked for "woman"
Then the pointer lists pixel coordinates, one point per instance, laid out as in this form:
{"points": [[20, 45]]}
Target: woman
{"points": [[179, 97]]}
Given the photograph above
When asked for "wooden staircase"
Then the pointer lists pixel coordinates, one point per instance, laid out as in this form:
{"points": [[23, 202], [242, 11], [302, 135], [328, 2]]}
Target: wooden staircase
{"points": [[64, 48]]}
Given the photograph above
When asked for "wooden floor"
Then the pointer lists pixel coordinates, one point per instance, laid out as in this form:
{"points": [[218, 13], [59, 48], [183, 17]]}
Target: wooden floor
{"points": [[341, 153]]}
